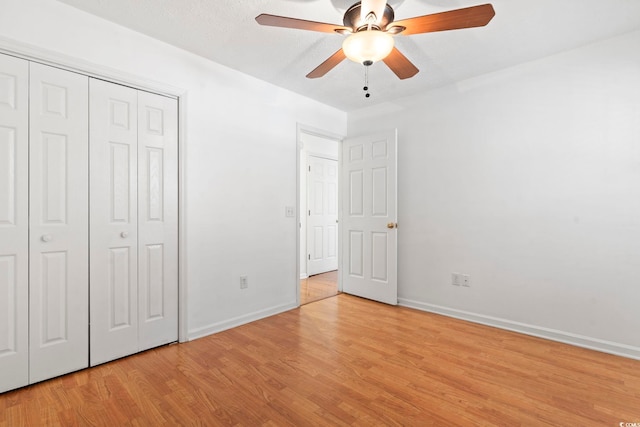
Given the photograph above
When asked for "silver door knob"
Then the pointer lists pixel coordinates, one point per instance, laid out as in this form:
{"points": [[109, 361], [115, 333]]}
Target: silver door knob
{"points": [[46, 238], [124, 234]]}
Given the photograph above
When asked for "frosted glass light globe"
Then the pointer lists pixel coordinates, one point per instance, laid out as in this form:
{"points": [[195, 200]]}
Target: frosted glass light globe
{"points": [[368, 45]]}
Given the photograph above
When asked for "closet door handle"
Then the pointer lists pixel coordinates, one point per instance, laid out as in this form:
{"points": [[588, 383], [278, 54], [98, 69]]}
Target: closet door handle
{"points": [[124, 234], [46, 238]]}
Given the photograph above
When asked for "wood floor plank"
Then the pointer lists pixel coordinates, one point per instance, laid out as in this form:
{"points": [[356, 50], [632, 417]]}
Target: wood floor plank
{"points": [[319, 286], [343, 361]]}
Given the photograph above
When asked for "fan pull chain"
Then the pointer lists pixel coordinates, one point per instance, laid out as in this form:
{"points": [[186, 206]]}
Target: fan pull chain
{"points": [[366, 82]]}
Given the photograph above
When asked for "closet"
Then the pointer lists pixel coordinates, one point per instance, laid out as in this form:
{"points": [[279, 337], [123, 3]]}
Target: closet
{"points": [[134, 217], [88, 221]]}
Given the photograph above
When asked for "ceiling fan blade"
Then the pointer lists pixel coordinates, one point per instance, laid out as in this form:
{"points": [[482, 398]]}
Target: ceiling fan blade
{"points": [[469, 17], [327, 65], [400, 65], [375, 6], [300, 24]]}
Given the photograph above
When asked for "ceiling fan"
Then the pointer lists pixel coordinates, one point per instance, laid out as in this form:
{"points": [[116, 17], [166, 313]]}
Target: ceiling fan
{"points": [[370, 26]]}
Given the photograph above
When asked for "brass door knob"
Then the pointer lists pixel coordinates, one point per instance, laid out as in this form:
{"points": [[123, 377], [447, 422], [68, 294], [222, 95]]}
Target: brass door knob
{"points": [[392, 225]]}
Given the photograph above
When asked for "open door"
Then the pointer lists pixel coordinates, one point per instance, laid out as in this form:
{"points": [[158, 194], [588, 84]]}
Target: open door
{"points": [[369, 212], [322, 220]]}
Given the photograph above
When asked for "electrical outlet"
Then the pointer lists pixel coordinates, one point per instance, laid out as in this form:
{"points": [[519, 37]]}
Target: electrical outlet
{"points": [[289, 211], [466, 281], [244, 282], [455, 279]]}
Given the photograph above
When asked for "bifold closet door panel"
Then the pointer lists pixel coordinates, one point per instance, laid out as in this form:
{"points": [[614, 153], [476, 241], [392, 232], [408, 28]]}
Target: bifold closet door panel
{"points": [[157, 219], [59, 228], [114, 217], [14, 223]]}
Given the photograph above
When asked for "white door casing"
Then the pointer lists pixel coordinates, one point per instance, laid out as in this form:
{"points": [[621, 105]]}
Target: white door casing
{"points": [[369, 212], [113, 218], [157, 220], [14, 223], [58, 209], [322, 219]]}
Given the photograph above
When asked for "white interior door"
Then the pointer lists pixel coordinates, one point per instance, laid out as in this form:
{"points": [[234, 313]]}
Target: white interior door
{"points": [[158, 219], [114, 217], [369, 235], [59, 229], [322, 220], [14, 223]]}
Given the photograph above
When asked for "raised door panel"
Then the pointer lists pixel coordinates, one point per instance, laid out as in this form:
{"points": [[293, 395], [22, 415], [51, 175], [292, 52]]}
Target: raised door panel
{"points": [[14, 223], [113, 215], [157, 220], [59, 234]]}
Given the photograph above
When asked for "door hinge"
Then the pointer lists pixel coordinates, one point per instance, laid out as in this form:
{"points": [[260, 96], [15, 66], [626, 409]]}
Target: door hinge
{"points": [[309, 256], [309, 212], [309, 168]]}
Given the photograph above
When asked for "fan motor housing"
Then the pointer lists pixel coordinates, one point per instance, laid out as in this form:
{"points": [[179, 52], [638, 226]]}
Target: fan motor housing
{"points": [[352, 18]]}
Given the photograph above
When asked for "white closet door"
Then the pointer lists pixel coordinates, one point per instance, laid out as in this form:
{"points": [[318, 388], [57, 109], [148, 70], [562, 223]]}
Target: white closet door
{"points": [[59, 222], [114, 207], [14, 223], [157, 219]]}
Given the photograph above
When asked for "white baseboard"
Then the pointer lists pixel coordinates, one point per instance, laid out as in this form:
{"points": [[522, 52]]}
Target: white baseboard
{"points": [[238, 321], [303, 276], [536, 331]]}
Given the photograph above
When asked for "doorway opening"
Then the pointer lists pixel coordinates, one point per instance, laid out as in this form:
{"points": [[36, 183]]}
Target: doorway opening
{"points": [[318, 286], [318, 194]]}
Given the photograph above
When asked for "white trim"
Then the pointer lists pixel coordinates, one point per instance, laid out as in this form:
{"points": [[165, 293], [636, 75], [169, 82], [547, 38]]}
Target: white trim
{"points": [[183, 322], [610, 347], [321, 156], [36, 54], [299, 147], [240, 320], [310, 130], [43, 56]]}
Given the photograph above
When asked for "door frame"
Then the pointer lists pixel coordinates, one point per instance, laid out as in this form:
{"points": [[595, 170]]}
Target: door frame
{"points": [[310, 130], [78, 65]]}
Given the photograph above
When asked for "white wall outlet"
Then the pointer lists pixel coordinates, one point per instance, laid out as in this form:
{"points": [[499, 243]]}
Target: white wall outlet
{"points": [[455, 279], [466, 280], [289, 211], [244, 282]]}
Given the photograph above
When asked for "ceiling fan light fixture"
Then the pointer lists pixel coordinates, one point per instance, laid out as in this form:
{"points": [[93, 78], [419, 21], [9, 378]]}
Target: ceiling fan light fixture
{"points": [[368, 46], [375, 7]]}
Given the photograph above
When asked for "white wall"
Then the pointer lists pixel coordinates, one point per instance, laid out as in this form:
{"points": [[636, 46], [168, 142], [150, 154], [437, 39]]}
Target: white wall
{"points": [[528, 179], [240, 158], [320, 146]]}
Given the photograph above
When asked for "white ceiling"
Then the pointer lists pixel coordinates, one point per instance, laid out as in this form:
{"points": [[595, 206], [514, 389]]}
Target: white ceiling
{"points": [[226, 32]]}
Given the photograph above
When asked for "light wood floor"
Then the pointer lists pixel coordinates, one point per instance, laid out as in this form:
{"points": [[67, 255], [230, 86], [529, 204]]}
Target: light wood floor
{"points": [[344, 361], [318, 287]]}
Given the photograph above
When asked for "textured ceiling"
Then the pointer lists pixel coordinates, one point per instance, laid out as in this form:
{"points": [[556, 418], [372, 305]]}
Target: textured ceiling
{"points": [[226, 32]]}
